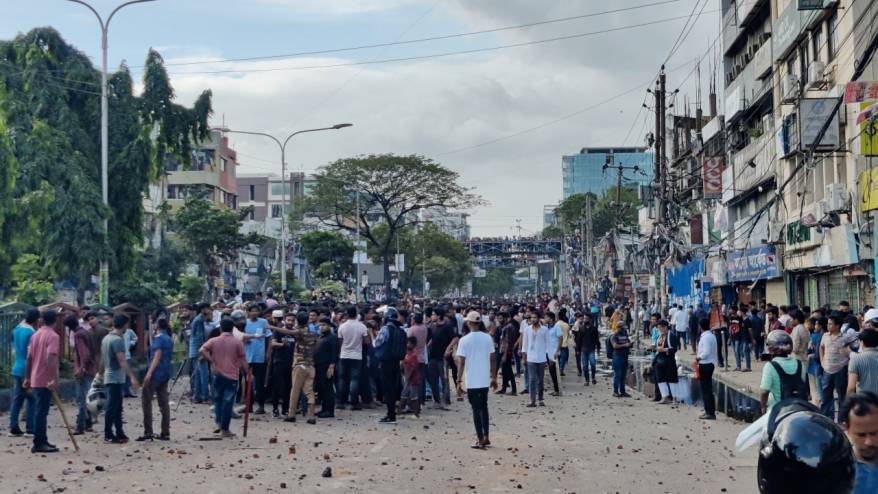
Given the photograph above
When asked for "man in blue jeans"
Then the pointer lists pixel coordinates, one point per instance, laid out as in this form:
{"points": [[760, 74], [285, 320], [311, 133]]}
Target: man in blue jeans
{"points": [[42, 377], [621, 346], [226, 354], [84, 366], [21, 337], [201, 373], [115, 369]]}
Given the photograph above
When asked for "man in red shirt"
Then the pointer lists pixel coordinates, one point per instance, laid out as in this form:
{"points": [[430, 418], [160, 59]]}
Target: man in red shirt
{"points": [[225, 354], [42, 377], [85, 367]]}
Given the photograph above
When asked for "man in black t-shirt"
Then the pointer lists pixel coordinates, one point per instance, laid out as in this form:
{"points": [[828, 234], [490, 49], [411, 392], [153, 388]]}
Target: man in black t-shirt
{"points": [[440, 334]]}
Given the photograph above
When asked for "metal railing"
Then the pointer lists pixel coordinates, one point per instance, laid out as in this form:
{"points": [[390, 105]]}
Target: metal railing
{"points": [[8, 321]]}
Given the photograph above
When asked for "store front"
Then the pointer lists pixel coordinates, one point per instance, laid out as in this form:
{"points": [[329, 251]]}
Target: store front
{"points": [[829, 272], [755, 275]]}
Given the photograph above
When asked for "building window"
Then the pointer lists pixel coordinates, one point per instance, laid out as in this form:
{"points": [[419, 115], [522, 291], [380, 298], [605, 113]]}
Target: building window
{"points": [[222, 164], [817, 41], [833, 36], [277, 188], [252, 213], [252, 192], [276, 210]]}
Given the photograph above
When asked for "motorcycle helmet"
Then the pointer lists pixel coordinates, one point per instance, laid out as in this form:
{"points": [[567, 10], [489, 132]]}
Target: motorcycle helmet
{"points": [[96, 399], [804, 452]]}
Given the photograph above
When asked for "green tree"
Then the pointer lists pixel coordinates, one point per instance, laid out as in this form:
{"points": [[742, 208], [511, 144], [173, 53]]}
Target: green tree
{"points": [[605, 212], [428, 251], [32, 286], [392, 191], [327, 252], [496, 283], [50, 123], [553, 232], [211, 234]]}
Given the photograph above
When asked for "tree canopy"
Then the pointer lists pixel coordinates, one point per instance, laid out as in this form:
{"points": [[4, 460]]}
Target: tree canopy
{"points": [[428, 251], [605, 212], [392, 191], [211, 234], [496, 283], [328, 248], [50, 192]]}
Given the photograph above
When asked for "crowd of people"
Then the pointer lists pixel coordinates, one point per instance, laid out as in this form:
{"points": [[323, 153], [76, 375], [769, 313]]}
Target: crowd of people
{"points": [[414, 357]]}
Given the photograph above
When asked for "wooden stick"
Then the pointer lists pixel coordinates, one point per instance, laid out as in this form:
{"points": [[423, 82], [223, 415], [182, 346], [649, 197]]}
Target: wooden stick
{"points": [[57, 401], [248, 399]]}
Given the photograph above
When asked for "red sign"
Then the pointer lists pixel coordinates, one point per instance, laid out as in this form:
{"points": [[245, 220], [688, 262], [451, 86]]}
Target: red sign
{"points": [[857, 92], [713, 177]]}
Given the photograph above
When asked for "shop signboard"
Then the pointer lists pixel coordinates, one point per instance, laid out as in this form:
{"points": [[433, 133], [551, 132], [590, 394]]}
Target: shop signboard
{"points": [[713, 177], [813, 113], [757, 263]]}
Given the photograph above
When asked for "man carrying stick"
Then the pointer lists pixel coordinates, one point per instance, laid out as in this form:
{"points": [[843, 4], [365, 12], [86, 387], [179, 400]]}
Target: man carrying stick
{"points": [[42, 377]]}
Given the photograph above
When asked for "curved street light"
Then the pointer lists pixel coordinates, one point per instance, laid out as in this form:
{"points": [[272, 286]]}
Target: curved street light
{"points": [[283, 164], [105, 26]]}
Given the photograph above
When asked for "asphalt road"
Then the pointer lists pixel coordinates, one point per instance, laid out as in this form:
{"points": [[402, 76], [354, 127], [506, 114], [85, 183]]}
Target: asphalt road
{"points": [[583, 442]]}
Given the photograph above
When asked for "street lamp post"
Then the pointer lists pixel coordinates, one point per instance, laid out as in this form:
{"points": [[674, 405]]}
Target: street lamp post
{"points": [[283, 166], [105, 26]]}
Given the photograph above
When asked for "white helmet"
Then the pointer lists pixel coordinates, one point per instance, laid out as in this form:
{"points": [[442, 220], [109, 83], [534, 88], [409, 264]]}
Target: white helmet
{"points": [[96, 399]]}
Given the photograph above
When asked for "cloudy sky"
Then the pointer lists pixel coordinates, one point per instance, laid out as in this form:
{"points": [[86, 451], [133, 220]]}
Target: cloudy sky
{"points": [[501, 118]]}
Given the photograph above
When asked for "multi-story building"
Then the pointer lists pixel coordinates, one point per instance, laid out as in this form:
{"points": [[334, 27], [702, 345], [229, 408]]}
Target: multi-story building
{"points": [[584, 172], [549, 216], [453, 224], [212, 171], [749, 177], [825, 223]]}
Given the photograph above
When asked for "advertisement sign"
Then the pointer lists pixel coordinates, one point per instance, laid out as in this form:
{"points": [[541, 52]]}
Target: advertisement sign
{"points": [[857, 92], [788, 28], [713, 177], [867, 184], [813, 113], [757, 263], [811, 4], [868, 130]]}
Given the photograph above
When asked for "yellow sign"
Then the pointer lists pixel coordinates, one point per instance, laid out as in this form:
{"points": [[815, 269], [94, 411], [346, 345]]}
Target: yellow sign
{"points": [[868, 131], [867, 183]]}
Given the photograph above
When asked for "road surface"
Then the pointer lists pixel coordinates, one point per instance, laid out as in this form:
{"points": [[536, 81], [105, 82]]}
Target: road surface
{"points": [[584, 442]]}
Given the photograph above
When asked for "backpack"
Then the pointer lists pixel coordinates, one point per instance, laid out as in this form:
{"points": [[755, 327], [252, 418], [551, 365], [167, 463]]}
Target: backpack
{"points": [[791, 385], [609, 347], [396, 342]]}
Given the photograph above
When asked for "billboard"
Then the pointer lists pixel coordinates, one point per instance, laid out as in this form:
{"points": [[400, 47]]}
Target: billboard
{"points": [[757, 263], [813, 113], [713, 177]]}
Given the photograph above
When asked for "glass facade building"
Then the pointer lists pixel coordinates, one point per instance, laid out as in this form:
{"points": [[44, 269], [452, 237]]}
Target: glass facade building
{"points": [[584, 172]]}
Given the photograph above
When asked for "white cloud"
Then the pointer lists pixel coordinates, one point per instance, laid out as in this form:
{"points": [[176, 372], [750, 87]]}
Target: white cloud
{"points": [[334, 7], [434, 106]]}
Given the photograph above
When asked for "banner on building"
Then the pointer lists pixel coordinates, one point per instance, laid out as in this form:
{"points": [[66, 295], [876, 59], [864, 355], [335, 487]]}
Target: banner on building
{"points": [[813, 113], [812, 4], [713, 177], [858, 92], [757, 263], [867, 184], [868, 125]]}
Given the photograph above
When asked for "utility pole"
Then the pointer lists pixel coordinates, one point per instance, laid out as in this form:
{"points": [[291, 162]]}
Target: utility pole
{"points": [[587, 243], [104, 274], [659, 186], [621, 171]]}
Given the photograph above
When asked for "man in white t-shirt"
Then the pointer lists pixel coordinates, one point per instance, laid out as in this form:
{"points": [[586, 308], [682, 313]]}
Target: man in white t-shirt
{"points": [[479, 369], [352, 334]]}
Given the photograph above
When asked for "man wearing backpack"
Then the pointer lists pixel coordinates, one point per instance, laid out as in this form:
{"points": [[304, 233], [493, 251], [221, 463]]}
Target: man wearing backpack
{"points": [[783, 377], [390, 348]]}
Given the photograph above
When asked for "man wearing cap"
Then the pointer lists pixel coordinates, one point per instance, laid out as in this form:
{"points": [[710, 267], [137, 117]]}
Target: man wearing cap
{"points": [[280, 362]]}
